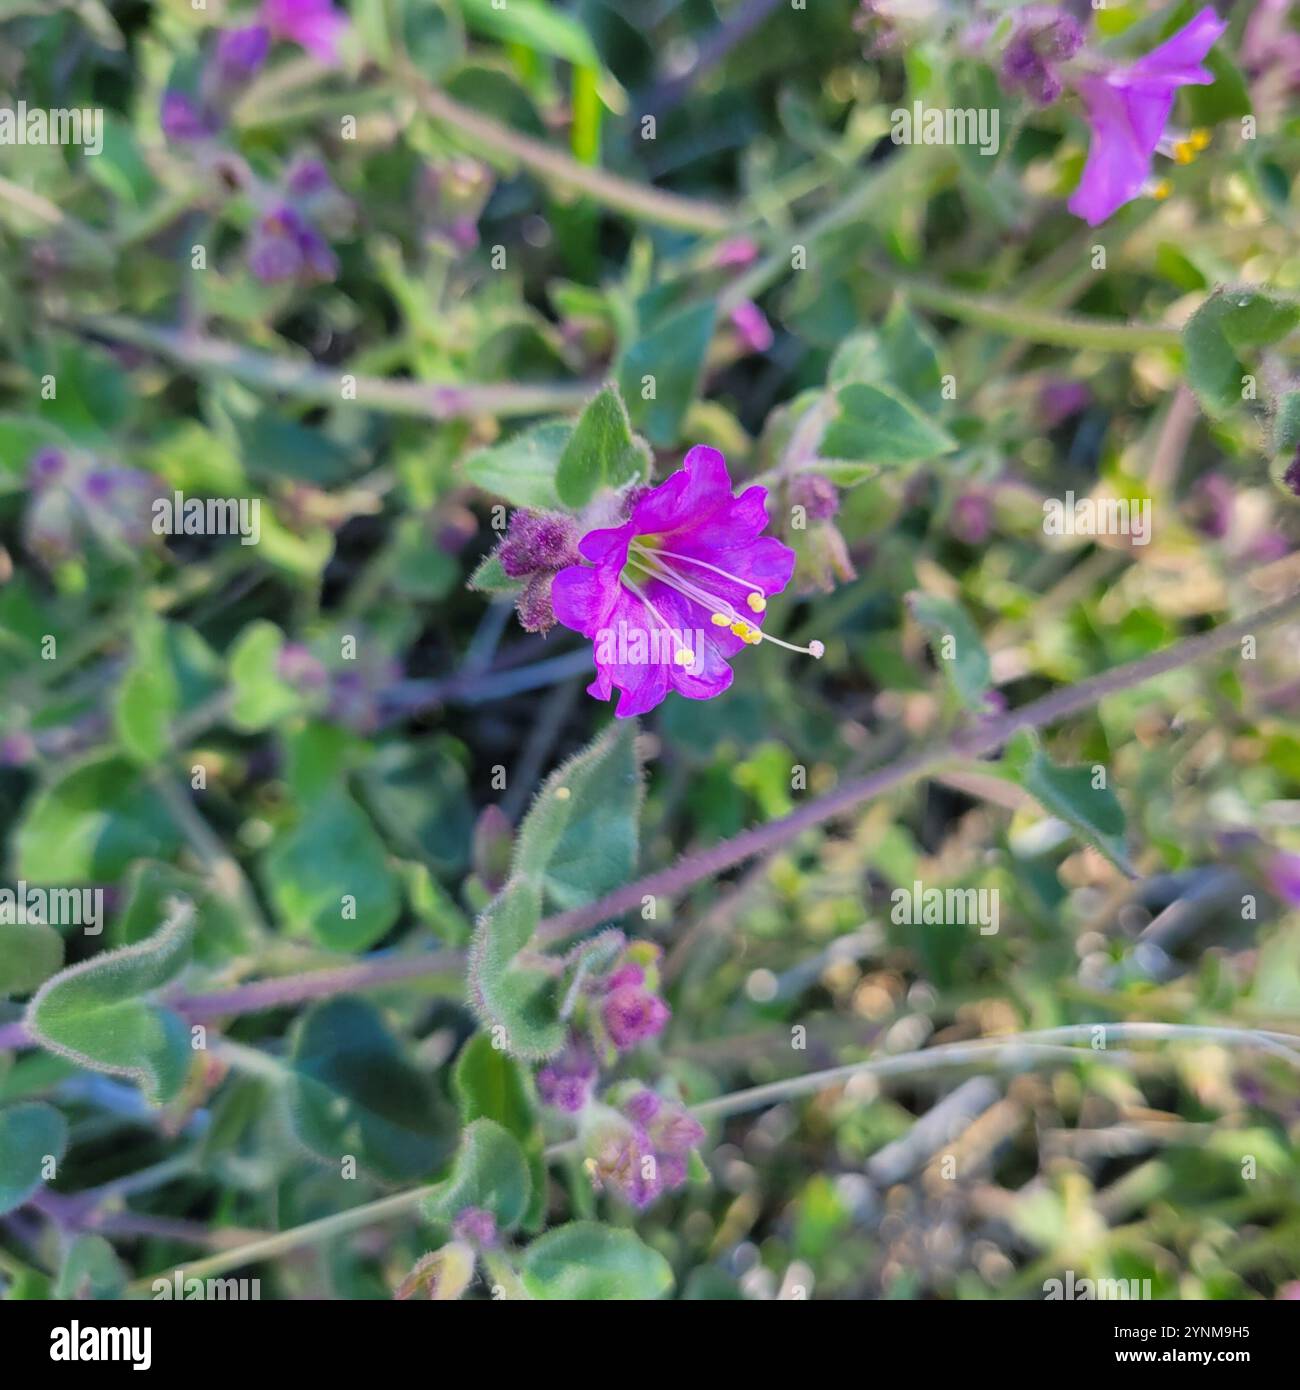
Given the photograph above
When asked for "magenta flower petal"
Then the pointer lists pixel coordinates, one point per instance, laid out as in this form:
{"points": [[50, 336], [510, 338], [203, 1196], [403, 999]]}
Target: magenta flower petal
{"points": [[1128, 109], [669, 596], [313, 25]]}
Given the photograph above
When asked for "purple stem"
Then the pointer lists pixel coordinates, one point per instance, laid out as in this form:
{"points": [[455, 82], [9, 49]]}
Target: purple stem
{"points": [[973, 741]]}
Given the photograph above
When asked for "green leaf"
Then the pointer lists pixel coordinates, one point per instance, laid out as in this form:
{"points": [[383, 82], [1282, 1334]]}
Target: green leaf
{"points": [[329, 875], [259, 698], [523, 468], [903, 354], [1068, 793], [90, 1269], [30, 952], [1230, 322], [602, 452], [490, 578], [353, 1092], [667, 359], [521, 999], [597, 848], [1286, 425], [490, 1172], [29, 1134], [585, 1260], [956, 644], [91, 823], [490, 1084], [877, 426], [148, 697], [98, 1015]]}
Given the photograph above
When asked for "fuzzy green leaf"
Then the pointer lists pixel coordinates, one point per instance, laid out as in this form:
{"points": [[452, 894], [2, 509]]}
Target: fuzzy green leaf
{"points": [[876, 425], [585, 1260], [601, 452], [957, 647], [99, 1014], [490, 1172]]}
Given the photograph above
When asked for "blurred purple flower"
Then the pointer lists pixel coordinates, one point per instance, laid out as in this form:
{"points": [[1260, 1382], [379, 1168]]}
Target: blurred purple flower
{"points": [[1213, 500], [1043, 37], [690, 565], [1128, 108], [183, 120], [643, 1151], [632, 1014], [567, 1080], [736, 252], [1284, 877], [286, 246], [240, 54], [752, 328], [1060, 399], [314, 25], [1291, 476], [971, 520]]}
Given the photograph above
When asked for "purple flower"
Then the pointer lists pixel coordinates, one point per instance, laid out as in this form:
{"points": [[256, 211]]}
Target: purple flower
{"points": [[1043, 37], [1213, 502], [307, 179], [632, 1015], [46, 466], [738, 251], [240, 54], [676, 590], [312, 24], [182, 119], [643, 1151], [1127, 109], [567, 1080], [752, 328], [1060, 399], [1284, 876], [286, 246]]}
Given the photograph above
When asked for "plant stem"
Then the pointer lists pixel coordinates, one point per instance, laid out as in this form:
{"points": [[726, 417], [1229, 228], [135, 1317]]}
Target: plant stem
{"points": [[305, 381], [972, 741], [1020, 321], [637, 200], [1017, 1052]]}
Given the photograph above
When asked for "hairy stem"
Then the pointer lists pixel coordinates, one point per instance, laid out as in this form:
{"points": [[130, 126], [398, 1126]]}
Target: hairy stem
{"points": [[305, 381], [1013, 1053], [972, 741]]}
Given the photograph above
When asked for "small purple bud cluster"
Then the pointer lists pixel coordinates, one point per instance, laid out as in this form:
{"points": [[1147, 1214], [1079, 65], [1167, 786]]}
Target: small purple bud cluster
{"points": [[636, 1143], [476, 1226], [642, 1149], [1044, 37], [236, 59], [73, 497], [287, 243], [537, 545], [823, 555]]}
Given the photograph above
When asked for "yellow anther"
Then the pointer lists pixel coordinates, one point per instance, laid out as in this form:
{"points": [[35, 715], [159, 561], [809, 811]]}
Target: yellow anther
{"points": [[721, 620], [1184, 151], [684, 658], [1161, 189], [757, 602], [1200, 139], [742, 630]]}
